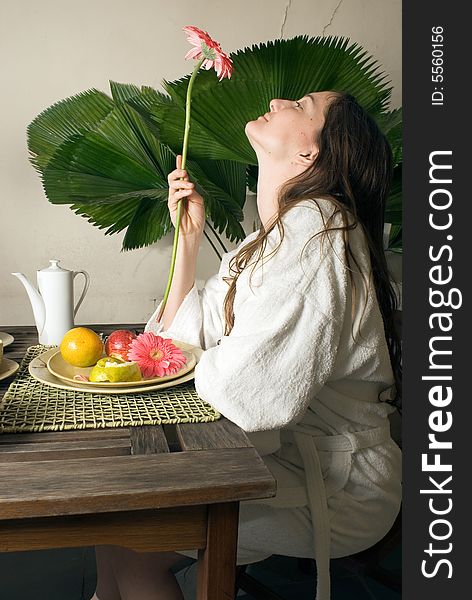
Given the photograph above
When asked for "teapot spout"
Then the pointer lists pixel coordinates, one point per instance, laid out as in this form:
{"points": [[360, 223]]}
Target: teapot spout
{"points": [[37, 303]]}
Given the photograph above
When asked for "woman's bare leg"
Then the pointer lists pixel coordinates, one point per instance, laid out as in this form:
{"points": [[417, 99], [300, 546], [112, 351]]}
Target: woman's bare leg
{"points": [[137, 575], [107, 588]]}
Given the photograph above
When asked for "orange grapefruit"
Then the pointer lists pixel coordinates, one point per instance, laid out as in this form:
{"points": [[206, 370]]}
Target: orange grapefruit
{"points": [[81, 347]]}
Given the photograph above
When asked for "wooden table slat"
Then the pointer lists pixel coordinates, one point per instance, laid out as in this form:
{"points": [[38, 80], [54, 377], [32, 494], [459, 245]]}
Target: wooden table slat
{"points": [[82, 486], [64, 450], [148, 440], [76, 435], [209, 436], [146, 531]]}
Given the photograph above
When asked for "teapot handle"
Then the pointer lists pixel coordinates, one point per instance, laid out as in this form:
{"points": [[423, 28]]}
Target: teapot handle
{"points": [[84, 291]]}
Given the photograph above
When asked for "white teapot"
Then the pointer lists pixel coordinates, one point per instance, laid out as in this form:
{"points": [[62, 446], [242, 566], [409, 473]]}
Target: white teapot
{"points": [[53, 305]]}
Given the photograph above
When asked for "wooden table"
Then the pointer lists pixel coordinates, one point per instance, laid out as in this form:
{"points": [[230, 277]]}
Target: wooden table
{"points": [[152, 488]]}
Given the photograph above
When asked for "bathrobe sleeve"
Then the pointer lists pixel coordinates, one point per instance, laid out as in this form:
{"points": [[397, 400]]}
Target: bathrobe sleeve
{"points": [[281, 350], [198, 321]]}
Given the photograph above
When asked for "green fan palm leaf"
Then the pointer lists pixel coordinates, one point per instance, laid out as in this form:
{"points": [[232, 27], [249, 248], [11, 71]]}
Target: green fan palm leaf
{"points": [[149, 223], [116, 177], [113, 216], [226, 213], [65, 119], [109, 157], [165, 118]]}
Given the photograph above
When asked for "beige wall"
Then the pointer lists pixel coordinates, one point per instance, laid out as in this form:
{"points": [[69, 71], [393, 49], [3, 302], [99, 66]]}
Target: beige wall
{"points": [[55, 48]]}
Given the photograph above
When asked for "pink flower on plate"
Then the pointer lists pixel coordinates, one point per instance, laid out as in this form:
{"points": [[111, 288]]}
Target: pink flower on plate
{"points": [[207, 48], [156, 356]]}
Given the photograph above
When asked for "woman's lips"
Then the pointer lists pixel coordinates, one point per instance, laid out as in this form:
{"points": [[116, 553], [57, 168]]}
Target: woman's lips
{"points": [[264, 117]]}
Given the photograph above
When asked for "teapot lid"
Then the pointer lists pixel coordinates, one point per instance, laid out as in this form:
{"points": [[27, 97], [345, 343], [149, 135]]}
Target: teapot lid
{"points": [[53, 267]]}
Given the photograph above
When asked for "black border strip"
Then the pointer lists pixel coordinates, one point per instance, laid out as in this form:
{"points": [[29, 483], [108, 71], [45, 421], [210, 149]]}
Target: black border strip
{"points": [[436, 349]]}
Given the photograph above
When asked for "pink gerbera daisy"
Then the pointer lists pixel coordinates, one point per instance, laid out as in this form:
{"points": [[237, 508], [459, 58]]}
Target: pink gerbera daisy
{"points": [[155, 355], [209, 49]]}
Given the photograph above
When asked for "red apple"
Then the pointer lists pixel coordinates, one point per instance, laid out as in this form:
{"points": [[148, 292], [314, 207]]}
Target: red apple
{"points": [[118, 343]]}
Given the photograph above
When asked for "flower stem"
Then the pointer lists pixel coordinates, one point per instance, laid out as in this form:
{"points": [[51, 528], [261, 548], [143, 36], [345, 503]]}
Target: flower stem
{"points": [[188, 103], [179, 205]]}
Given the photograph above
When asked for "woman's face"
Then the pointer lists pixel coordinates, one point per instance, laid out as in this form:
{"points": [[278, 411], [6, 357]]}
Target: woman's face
{"points": [[291, 129]]}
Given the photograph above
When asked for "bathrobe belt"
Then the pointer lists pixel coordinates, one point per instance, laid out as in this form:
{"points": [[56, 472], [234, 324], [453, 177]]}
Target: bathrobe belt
{"points": [[342, 446]]}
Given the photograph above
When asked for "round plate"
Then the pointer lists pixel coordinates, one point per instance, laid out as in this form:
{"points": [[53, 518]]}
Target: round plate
{"points": [[38, 370], [66, 372], [8, 367], [6, 338]]}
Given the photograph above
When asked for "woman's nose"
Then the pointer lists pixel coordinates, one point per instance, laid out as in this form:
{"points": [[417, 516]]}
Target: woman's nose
{"points": [[277, 104]]}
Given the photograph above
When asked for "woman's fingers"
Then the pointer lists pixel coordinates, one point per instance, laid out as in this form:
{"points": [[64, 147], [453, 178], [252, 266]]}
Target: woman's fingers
{"points": [[178, 163], [192, 219], [181, 193], [178, 184], [176, 196], [177, 175]]}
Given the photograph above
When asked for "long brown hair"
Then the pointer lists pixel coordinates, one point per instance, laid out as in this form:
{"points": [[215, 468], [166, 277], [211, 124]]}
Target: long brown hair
{"points": [[353, 170]]}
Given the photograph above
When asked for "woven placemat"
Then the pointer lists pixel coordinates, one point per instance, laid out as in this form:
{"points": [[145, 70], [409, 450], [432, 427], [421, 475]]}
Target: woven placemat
{"points": [[29, 405]]}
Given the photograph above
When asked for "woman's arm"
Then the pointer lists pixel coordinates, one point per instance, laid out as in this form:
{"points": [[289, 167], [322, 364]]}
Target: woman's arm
{"points": [[192, 222], [184, 276], [189, 316]]}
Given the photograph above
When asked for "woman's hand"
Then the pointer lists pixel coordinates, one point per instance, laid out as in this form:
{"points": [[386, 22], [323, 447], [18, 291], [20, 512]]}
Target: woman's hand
{"points": [[192, 212]]}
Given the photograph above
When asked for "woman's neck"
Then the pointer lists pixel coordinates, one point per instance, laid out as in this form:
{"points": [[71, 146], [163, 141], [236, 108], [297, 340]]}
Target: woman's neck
{"points": [[271, 177]]}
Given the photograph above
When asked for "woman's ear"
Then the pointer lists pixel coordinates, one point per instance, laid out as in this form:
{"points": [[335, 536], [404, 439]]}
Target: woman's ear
{"points": [[307, 159]]}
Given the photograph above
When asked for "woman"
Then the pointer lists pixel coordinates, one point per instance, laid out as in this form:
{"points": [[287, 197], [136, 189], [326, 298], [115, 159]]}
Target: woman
{"points": [[300, 347]]}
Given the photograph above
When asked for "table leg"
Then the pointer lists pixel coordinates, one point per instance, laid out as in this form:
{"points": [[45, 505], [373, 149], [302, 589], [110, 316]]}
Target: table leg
{"points": [[217, 562]]}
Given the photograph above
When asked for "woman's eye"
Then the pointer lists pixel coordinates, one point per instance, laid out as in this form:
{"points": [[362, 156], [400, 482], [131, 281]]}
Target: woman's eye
{"points": [[298, 104]]}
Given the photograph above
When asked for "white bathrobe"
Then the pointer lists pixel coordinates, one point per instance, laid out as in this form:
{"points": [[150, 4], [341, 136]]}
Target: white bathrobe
{"points": [[291, 370]]}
